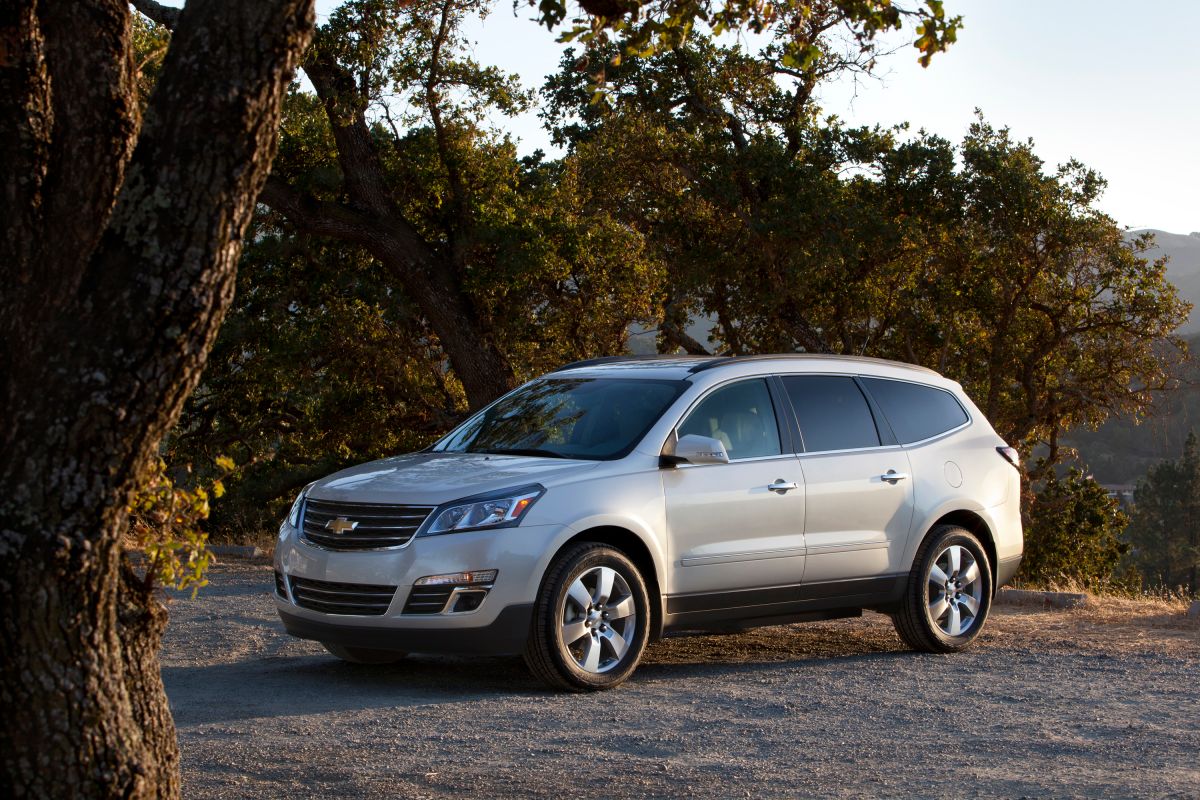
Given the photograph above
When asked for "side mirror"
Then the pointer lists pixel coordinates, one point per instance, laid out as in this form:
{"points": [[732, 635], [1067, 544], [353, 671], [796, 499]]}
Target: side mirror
{"points": [[694, 449]]}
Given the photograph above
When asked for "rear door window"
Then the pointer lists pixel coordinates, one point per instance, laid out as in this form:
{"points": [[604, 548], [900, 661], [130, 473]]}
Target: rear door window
{"points": [[916, 412], [832, 412]]}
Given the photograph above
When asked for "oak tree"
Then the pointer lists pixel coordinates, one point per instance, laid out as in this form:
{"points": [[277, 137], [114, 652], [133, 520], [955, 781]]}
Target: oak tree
{"points": [[121, 236]]}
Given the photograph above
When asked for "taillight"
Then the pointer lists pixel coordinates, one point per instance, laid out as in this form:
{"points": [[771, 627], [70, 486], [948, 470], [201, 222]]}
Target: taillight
{"points": [[1010, 455]]}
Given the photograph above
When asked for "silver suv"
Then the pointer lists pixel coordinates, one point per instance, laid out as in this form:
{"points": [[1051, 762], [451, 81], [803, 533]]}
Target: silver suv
{"points": [[590, 511]]}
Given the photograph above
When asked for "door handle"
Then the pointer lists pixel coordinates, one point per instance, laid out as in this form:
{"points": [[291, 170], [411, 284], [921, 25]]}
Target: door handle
{"points": [[783, 487], [893, 477]]}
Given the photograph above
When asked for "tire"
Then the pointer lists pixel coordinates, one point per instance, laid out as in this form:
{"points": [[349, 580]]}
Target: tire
{"points": [[946, 603], [584, 638], [363, 655]]}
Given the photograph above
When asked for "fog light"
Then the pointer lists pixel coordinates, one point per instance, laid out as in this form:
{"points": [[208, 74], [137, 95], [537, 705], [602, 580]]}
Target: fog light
{"points": [[469, 600], [459, 578]]}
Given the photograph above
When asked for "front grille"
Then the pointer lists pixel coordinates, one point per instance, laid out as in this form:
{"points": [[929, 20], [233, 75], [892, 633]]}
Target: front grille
{"points": [[342, 598], [378, 525], [427, 599], [280, 586]]}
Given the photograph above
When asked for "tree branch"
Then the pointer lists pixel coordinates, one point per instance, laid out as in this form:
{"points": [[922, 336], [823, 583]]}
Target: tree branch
{"points": [[312, 215], [362, 170], [93, 90], [458, 191], [673, 337], [672, 334]]}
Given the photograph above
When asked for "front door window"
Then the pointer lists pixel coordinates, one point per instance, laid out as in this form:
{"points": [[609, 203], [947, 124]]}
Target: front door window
{"points": [[739, 416]]}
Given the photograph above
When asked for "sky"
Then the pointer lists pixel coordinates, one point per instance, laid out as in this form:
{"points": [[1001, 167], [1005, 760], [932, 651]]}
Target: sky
{"points": [[1115, 85]]}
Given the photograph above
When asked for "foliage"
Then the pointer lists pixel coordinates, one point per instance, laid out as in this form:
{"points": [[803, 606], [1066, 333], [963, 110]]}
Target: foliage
{"points": [[148, 44], [310, 375], [1165, 529], [1073, 534], [397, 156], [647, 27], [1044, 312], [164, 524]]}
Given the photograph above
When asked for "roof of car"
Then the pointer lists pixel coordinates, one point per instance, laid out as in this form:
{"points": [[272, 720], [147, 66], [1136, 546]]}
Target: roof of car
{"points": [[680, 367]]}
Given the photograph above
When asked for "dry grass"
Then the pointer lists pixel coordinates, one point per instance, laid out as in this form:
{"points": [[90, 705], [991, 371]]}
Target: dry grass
{"points": [[1164, 593], [1108, 623]]}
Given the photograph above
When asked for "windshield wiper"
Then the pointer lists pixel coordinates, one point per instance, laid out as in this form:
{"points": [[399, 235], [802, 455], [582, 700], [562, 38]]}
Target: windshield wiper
{"points": [[519, 451]]}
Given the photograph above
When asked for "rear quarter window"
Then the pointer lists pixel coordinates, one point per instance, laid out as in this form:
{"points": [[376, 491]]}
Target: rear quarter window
{"points": [[916, 412]]}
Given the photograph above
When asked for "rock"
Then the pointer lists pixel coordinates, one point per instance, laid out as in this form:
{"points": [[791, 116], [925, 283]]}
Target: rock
{"points": [[1194, 610], [1025, 597], [237, 551]]}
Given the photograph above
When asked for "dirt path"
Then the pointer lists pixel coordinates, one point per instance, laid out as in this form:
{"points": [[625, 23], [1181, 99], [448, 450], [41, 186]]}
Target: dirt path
{"points": [[1091, 703]]}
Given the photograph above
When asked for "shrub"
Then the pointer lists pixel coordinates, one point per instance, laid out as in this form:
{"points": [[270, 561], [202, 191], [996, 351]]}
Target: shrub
{"points": [[165, 520], [1072, 536]]}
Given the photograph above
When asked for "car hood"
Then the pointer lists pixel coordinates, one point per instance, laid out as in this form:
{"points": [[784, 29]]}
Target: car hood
{"points": [[435, 478]]}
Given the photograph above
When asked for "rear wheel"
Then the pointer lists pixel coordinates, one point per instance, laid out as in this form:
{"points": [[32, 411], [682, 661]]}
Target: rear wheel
{"points": [[949, 592], [363, 655], [591, 620]]}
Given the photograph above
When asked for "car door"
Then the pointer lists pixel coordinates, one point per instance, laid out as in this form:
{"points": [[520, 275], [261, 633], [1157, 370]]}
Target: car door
{"points": [[858, 487], [738, 525]]}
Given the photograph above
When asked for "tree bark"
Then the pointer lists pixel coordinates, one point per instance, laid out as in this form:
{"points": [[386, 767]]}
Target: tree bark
{"points": [[118, 263]]}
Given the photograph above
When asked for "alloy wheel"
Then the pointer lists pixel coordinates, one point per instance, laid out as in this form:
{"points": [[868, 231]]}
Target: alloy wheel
{"points": [[599, 619], [955, 591]]}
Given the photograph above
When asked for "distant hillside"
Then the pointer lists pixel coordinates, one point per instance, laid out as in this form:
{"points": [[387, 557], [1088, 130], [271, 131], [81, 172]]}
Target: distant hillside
{"points": [[1183, 269], [1121, 452]]}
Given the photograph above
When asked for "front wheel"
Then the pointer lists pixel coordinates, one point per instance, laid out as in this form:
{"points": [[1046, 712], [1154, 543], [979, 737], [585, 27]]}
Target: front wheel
{"points": [[949, 592], [591, 620]]}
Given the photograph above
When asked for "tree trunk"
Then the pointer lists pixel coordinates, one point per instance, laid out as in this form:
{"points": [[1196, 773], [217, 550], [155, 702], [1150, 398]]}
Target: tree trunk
{"points": [[141, 622], [479, 364], [118, 263]]}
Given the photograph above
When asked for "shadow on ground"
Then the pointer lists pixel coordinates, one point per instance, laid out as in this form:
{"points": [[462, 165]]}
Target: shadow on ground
{"points": [[320, 683]]}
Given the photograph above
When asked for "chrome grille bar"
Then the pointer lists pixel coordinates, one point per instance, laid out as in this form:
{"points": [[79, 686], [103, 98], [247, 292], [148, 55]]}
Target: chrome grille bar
{"points": [[375, 525], [342, 598]]}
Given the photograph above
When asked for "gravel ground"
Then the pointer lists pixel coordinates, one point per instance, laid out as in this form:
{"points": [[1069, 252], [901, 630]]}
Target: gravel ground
{"points": [[1100, 702]]}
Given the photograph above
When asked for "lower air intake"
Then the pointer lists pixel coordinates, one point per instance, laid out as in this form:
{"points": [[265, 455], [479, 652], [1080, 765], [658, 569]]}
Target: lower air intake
{"points": [[362, 599]]}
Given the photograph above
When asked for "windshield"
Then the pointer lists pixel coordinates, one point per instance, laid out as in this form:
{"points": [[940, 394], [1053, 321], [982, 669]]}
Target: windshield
{"points": [[589, 418]]}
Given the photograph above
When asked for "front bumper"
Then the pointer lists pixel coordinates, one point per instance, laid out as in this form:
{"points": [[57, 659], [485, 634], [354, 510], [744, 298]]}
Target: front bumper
{"points": [[500, 625], [506, 635]]}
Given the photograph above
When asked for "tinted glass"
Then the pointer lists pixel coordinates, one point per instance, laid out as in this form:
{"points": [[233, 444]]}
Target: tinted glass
{"points": [[832, 412], [915, 412], [590, 418], [741, 417]]}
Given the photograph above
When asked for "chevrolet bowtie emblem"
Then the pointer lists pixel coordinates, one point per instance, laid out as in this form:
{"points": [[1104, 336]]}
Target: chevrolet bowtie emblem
{"points": [[341, 525]]}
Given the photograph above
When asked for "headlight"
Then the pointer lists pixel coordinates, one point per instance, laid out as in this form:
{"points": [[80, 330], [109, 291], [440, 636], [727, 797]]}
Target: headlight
{"points": [[293, 516], [496, 511]]}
